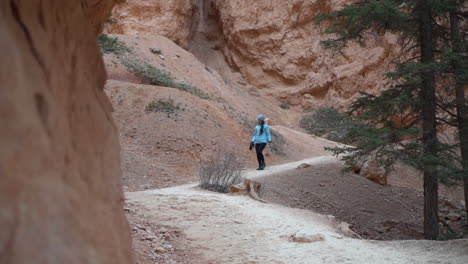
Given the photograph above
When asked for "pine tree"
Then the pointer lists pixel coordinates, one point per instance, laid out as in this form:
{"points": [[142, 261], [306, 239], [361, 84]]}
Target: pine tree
{"points": [[460, 68], [429, 132], [401, 122]]}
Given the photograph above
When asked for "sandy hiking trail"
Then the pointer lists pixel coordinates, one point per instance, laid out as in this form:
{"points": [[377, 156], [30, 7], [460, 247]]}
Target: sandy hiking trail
{"points": [[228, 228]]}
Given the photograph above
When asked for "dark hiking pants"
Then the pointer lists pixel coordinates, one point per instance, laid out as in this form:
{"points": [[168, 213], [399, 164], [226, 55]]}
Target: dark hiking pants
{"points": [[259, 149]]}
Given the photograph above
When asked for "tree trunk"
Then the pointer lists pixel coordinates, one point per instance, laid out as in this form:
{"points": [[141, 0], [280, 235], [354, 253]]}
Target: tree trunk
{"points": [[431, 223], [462, 113]]}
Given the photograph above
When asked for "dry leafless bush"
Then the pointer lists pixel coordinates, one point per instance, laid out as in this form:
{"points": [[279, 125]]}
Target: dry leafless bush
{"points": [[220, 172]]}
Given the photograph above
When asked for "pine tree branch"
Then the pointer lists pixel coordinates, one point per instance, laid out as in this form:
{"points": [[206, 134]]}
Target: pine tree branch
{"points": [[406, 39], [441, 27], [454, 124], [413, 122], [446, 110], [412, 58], [463, 14], [447, 226]]}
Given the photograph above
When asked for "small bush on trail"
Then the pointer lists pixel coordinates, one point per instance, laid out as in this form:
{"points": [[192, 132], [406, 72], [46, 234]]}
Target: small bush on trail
{"points": [[111, 45], [285, 106], [328, 123], [164, 106], [155, 51], [154, 76], [220, 172]]}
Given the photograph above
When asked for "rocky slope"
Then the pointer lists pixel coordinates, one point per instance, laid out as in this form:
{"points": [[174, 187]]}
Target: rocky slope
{"points": [[60, 195], [164, 146], [273, 44]]}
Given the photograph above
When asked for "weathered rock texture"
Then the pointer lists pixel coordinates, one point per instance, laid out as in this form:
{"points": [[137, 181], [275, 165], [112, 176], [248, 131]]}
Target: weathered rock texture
{"points": [[169, 18], [276, 46], [273, 43], [60, 192]]}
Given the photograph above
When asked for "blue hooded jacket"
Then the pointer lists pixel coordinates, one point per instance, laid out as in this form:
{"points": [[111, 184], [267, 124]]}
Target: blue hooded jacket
{"points": [[265, 137]]}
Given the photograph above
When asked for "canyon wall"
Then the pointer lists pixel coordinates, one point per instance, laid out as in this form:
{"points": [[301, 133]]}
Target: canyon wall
{"points": [[169, 18], [60, 193], [274, 44]]}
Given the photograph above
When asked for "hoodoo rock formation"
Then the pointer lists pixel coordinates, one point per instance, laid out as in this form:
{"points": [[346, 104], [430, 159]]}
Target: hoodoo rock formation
{"points": [[60, 194], [275, 45]]}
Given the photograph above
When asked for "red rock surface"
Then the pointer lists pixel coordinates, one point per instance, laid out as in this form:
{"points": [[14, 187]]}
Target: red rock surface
{"points": [[60, 194], [275, 45], [172, 19]]}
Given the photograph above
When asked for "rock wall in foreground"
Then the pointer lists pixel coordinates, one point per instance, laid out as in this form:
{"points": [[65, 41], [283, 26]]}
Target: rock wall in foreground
{"points": [[60, 194]]}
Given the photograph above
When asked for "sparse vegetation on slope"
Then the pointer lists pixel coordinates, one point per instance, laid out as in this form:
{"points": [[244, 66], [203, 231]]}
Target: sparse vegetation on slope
{"points": [[111, 45], [328, 123], [165, 106], [285, 106], [155, 51], [147, 72], [154, 76]]}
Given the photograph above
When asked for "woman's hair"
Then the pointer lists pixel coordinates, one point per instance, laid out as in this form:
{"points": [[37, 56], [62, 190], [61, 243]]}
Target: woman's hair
{"points": [[261, 126]]}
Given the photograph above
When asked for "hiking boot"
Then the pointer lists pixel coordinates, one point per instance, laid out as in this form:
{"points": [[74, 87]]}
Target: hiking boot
{"points": [[260, 168]]}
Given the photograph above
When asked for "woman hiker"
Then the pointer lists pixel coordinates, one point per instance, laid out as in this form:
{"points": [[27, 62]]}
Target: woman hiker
{"points": [[260, 139]]}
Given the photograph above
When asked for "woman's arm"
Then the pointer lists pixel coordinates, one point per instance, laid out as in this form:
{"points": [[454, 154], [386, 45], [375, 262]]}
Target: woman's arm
{"points": [[255, 134]]}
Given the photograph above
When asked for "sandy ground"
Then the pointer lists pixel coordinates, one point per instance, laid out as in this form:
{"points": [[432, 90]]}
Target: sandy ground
{"points": [[374, 211], [227, 228], [154, 242]]}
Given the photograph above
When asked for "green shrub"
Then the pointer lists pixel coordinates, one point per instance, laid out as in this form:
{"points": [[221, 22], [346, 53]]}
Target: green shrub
{"points": [[155, 51], [111, 45], [151, 75], [285, 106], [111, 20], [328, 123], [164, 106], [278, 143]]}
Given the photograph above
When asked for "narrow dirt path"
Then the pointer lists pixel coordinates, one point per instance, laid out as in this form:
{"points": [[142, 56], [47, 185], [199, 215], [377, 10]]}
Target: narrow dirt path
{"points": [[272, 170], [229, 228]]}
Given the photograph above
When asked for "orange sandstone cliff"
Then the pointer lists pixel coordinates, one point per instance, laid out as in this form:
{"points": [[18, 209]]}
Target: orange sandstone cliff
{"points": [[60, 193], [275, 45]]}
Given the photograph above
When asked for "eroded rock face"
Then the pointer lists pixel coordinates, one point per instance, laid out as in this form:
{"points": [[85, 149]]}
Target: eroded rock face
{"points": [[60, 192], [276, 46], [273, 43], [169, 18]]}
